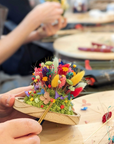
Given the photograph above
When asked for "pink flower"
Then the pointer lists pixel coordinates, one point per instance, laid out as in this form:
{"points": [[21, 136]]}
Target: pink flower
{"points": [[63, 81], [38, 71], [69, 70]]}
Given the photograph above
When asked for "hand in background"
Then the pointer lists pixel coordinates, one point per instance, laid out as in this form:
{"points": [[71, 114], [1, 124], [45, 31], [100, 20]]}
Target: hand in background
{"points": [[47, 12], [20, 131], [7, 101], [47, 30]]}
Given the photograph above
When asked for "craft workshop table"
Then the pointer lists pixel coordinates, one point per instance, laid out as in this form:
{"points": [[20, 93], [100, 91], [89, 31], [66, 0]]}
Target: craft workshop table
{"points": [[67, 47], [85, 18], [90, 121]]}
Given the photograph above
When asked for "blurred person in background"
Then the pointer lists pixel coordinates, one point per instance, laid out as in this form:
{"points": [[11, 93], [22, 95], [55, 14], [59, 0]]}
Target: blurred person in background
{"points": [[27, 55], [16, 59]]}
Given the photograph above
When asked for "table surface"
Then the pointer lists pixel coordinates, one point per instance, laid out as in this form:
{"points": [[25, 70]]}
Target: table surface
{"points": [[68, 46], [85, 18], [90, 122]]}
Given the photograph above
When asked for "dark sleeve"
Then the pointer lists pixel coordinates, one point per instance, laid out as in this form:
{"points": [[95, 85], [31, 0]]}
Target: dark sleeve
{"points": [[18, 9]]}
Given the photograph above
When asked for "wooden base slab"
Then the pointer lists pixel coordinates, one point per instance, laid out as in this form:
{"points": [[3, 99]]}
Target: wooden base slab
{"points": [[51, 116]]}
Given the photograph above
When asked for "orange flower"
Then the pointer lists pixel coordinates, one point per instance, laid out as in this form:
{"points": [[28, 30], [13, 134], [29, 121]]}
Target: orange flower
{"points": [[65, 69], [46, 98], [45, 79], [74, 73]]}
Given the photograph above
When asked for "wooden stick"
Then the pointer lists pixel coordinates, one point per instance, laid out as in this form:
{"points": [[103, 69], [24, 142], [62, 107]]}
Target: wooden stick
{"points": [[99, 128], [44, 114]]}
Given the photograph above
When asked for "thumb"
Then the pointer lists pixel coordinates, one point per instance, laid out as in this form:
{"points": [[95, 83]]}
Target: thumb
{"points": [[7, 100], [20, 90]]}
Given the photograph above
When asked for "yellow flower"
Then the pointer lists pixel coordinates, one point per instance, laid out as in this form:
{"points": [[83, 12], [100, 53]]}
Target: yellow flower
{"points": [[45, 79], [32, 73], [54, 82], [47, 67], [66, 101], [30, 92], [77, 78], [31, 99], [54, 100], [65, 69], [35, 80], [74, 66]]}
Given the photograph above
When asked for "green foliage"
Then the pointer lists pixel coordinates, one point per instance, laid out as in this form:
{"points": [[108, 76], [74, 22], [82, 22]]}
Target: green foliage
{"points": [[56, 107]]}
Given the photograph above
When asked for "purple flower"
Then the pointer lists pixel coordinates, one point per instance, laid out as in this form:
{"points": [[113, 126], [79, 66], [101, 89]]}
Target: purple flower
{"points": [[44, 71], [56, 95], [63, 97], [27, 93], [36, 87]]}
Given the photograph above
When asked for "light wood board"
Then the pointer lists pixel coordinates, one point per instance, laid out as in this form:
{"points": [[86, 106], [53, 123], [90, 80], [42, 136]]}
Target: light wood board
{"points": [[99, 105], [68, 46], [56, 133], [61, 134], [85, 18], [21, 106]]}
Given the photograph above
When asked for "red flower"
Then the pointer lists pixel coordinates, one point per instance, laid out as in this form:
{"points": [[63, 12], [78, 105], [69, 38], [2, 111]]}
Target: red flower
{"points": [[62, 106], [49, 86], [106, 116], [51, 100], [62, 70], [66, 65], [76, 92], [34, 92], [42, 106], [33, 78], [90, 81]]}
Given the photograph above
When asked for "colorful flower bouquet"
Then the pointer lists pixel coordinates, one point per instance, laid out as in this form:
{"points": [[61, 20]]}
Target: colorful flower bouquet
{"points": [[63, 3], [55, 82]]}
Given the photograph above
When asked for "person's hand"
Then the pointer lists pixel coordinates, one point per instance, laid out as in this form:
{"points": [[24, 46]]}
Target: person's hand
{"points": [[50, 11], [47, 12], [46, 31], [49, 29], [7, 101], [20, 131]]}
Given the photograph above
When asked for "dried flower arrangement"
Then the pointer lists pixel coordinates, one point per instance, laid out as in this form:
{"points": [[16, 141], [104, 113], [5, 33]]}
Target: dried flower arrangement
{"points": [[55, 82], [63, 3]]}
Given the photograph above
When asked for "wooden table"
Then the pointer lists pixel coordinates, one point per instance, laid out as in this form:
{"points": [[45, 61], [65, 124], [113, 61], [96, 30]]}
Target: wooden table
{"points": [[85, 18], [67, 47], [62, 134]]}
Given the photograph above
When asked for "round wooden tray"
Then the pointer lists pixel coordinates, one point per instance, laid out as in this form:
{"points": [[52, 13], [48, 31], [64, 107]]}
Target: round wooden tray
{"points": [[51, 116], [68, 46], [55, 133], [85, 18]]}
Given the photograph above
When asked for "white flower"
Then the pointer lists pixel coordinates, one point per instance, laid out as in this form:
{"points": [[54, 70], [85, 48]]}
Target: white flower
{"points": [[36, 100]]}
